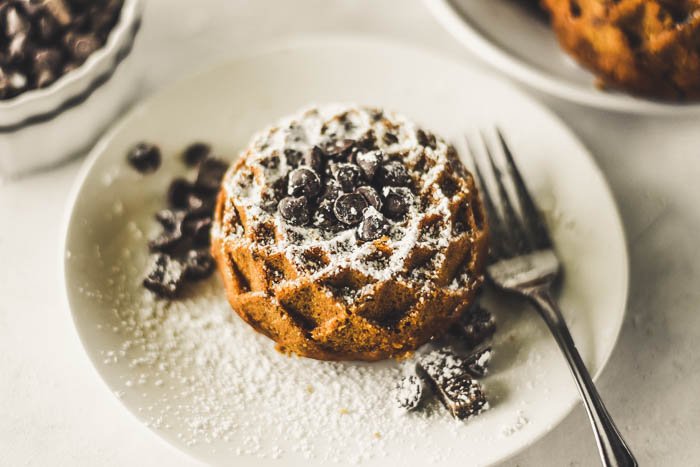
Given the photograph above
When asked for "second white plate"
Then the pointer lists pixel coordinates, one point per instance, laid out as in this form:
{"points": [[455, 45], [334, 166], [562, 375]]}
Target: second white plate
{"points": [[207, 383], [512, 38]]}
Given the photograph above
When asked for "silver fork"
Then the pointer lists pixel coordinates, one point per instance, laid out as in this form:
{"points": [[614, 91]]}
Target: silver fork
{"points": [[523, 261]]}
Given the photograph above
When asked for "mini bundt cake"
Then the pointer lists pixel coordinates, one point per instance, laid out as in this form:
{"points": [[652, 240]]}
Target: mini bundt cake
{"points": [[349, 234], [645, 47]]}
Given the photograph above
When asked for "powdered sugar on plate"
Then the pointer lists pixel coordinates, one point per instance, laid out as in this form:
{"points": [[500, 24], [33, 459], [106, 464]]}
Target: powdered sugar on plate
{"points": [[220, 383]]}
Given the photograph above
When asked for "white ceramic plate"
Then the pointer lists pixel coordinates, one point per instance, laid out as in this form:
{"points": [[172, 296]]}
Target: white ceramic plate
{"points": [[512, 38], [208, 384]]}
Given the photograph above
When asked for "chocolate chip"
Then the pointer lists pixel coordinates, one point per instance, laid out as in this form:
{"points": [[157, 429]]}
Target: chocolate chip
{"points": [[170, 219], [448, 374], [179, 192], [348, 175], [475, 326], [199, 264], [304, 182], [81, 46], [165, 276], [47, 27], [15, 22], [371, 196], [478, 362], [332, 190], [293, 157], [144, 157], [369, 162], [200, 204], [59, 10], [373, 226], [394, 173], [294, 210], [324, 217], [211, 172], [314, 159], [47, 66], [195, 153], [349, 208], [409, 392], [397, 201], [167, 242], [198, 230]]}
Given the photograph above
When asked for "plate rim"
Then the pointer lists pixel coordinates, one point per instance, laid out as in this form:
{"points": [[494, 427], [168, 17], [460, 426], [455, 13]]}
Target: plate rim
{"points": [[326, 40], [454, 21]]}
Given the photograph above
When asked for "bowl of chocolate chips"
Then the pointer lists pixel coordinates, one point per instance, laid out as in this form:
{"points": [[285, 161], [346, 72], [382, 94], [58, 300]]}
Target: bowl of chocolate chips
{"points": [[64, 76]]}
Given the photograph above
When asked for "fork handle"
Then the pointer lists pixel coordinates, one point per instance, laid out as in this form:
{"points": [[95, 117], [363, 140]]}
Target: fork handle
{"points": [[612, 448]]}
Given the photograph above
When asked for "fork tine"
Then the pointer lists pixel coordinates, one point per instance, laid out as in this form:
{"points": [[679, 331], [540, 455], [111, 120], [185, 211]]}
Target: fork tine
{"points": [[517, 234], [532, 218], [493, 218]]}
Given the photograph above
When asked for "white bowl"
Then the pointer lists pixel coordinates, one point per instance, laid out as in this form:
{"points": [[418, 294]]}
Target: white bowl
{"points": [[41, 127]]}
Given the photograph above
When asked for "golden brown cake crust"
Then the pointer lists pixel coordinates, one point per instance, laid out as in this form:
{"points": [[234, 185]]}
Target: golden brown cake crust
{"points": [[645, 47], [327, 294]]}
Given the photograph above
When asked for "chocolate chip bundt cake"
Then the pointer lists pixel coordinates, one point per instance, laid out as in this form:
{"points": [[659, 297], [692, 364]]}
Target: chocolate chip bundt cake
{"points": [[349, 234], [646, 47]]}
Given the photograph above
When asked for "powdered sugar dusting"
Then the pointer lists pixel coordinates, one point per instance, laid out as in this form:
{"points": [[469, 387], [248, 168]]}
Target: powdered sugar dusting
{"points": [[314, 127]]}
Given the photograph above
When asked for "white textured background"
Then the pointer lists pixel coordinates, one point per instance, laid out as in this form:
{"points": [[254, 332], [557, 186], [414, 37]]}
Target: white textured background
{"points": [[55, 411]]}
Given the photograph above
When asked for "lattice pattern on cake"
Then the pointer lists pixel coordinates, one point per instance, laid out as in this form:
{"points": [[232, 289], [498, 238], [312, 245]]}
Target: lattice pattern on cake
{"points": [[325, 293]]}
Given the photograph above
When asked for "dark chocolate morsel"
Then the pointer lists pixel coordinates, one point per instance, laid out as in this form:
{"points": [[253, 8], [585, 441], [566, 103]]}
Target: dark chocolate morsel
{"points": [[165, 276], [294, 210], [478, 362], [199, 264], [179, 192], [144, 157], [394, 173], [195, 153], [304, 181], [397, 201], [475, 326], [170, 219], [371, 196], [348, 176], [323, 216], [373, 226], [369, 162], [349, 208], [211, 172], [449, 376]]}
